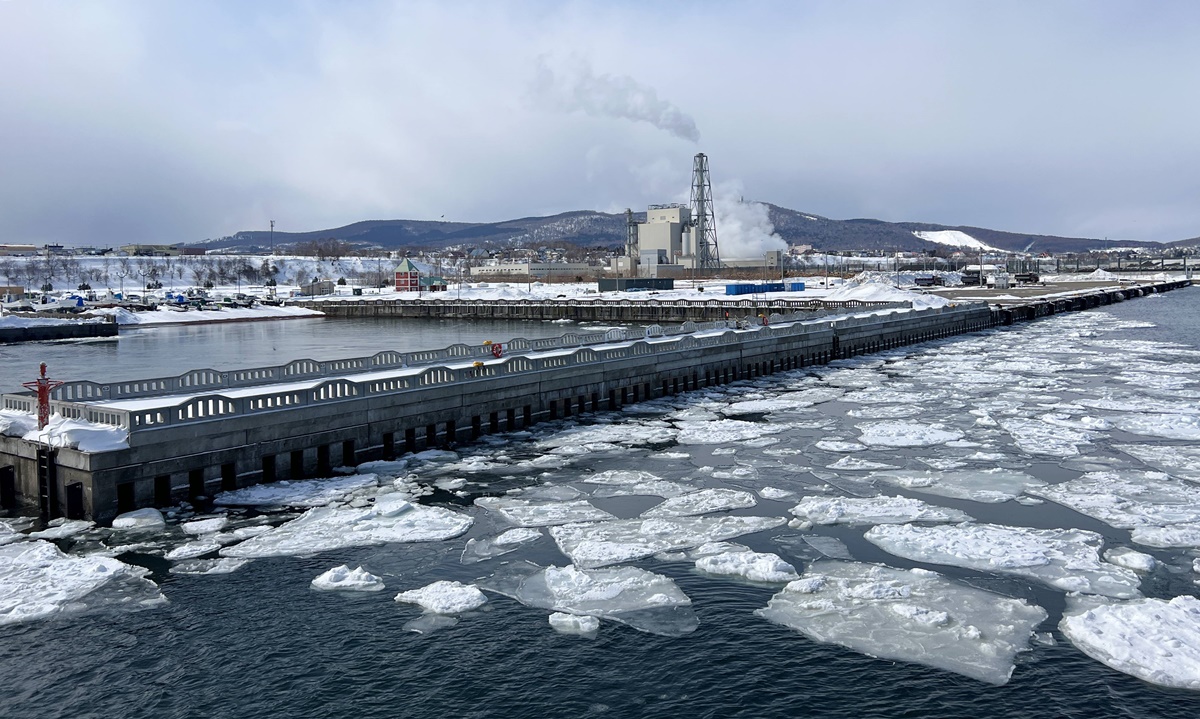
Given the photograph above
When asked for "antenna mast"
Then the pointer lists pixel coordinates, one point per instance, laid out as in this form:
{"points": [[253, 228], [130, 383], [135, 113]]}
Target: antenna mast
{"points": [[704, 219]]}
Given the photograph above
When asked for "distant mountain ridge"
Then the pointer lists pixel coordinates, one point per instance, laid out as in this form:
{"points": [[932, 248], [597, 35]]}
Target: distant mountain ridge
{"points": [[590, 228]]}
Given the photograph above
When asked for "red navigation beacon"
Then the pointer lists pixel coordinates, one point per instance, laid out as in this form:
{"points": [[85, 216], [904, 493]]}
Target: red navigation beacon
{"points": [[43, 385]]}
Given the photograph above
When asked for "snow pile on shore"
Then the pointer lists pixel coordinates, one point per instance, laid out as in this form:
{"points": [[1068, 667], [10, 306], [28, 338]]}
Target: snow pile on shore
{"points": [[876, 292]]}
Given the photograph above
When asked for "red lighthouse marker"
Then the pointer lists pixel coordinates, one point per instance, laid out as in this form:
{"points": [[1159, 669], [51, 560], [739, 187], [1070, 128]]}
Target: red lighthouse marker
{"points": [[43, 385]]}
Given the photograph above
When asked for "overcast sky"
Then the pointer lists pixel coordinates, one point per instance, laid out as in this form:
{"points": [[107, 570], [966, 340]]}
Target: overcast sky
{"points": [[177, 121]]}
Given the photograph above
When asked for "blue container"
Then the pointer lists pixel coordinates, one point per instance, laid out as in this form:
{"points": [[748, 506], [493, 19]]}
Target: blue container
{"points": [[795, 287]]}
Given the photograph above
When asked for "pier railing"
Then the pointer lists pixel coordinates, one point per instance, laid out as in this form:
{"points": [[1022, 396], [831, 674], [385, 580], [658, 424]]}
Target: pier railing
{"points": [[203, 380], [308, 382]]}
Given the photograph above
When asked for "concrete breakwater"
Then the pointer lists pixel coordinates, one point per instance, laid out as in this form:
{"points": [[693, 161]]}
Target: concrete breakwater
{"points": [[206, 431], [584, 310], [58, 331]]}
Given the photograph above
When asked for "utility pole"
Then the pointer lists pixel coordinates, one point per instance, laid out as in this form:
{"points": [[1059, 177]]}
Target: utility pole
{"points": [[272, 237]]}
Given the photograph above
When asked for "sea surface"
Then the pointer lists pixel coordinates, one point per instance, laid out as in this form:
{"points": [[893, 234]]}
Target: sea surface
{"points": [[261, 642]]}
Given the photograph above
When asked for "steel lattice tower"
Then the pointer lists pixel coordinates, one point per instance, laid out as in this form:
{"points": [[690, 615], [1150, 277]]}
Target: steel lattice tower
{"points": [[704, 219]]}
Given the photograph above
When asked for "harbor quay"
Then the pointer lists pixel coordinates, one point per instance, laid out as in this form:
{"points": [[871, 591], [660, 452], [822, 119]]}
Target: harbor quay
{"points": [[167, 439]]}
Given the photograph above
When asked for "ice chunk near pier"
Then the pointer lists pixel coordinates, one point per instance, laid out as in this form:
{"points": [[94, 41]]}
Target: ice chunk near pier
{"points": [[1067, 559], [644, 600], [148, 518], [297, 493], [583, 626], [751, 566], [1152, 639], [204, 526], [908, 615], [445, 597], [223, 565], [702, 501], [1167, 426], [601, 543], [478, 550], [532, 513], [63, 528], [724, 431], [906, 434], [191, 550], [344, 579], [982, 485], [327, 528], [1128, 500], [873, 510], [37, 580]]}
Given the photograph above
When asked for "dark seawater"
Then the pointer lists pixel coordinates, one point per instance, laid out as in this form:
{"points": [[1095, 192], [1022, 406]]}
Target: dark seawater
{"points": [[259, 642], [171, 350]]}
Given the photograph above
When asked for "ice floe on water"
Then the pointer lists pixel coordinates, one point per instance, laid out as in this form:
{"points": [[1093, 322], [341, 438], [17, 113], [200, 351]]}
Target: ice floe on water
{"points": [[148, 518], [751, 566], [1128, 500], [191, 550], [833, 445], [1168, 426], [626, 434], [533, 513], [873, 510], [1130, 559], [38, 581], [63, 528], [857, 464], [1152, 639], [1176, 535], [204, 526], [574, 624], [981, 485], [445, 597], [1180, 461], [643, 600], [906, 434], [297, 493], [222, 565], [702, 501], [344, 579], [1034, 436], [1067, 559], [602, 543], [391, 519], [478, 550], [908, 615], [724, 430], [775, 493]]}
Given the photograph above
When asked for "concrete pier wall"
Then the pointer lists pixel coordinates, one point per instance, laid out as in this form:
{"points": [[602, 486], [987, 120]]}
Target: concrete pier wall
{"points": [[178, 451]]}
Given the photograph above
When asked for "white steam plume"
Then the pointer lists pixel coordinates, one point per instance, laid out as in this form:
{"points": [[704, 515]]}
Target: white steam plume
{"points": [[744, 229], [617, 96]]}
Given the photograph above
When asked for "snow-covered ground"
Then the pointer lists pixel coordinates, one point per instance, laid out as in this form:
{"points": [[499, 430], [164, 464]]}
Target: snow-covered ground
{"points": [[955, 238], [164, 316]]}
